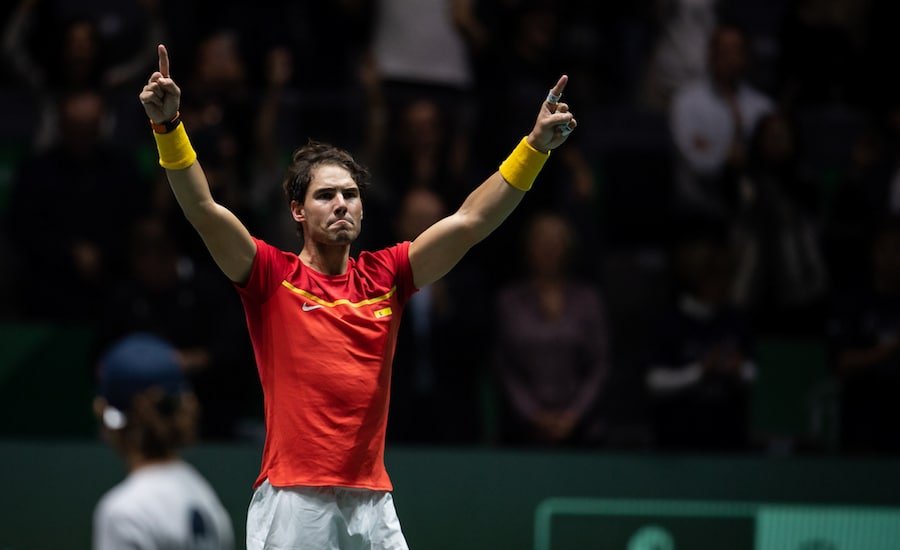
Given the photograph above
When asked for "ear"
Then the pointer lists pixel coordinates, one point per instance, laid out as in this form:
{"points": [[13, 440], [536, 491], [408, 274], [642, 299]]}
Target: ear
{"points": [[297, 212]]}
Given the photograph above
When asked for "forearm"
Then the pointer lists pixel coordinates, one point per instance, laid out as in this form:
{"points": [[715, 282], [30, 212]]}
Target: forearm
{"points": [[434, 252], [487, 207], [191, 190], [226, 238]]}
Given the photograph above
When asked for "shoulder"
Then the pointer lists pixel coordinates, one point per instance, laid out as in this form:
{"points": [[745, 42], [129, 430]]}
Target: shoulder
{"points": [[268, 255], [266, 248], [114, 497], [385, 258], [117, 510]]}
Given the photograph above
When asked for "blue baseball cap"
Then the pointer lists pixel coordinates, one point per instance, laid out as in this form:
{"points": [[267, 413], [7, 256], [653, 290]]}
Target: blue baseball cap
{"points": [[132, 364]]}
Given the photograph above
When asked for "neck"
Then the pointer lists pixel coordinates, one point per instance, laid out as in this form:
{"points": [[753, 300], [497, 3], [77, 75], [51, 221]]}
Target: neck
{"points": [[326, 259]]}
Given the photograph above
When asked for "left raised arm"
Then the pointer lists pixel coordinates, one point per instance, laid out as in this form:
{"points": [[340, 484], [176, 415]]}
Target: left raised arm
{"points": [[440, 247]]}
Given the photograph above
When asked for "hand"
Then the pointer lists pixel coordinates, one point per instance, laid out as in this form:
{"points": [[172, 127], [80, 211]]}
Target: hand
{"points": [[548, 132], [161, 97], [554, 426]]}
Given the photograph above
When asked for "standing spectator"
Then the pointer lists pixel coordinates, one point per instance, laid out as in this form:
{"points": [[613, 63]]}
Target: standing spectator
{"points": [[552, 356], [147, 413], [420, 52], [701, 366], [711, 122], [782, 275]]}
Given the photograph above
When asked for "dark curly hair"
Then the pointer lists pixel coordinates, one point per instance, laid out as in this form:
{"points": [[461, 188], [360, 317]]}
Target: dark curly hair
{"points": [[309, 157]]}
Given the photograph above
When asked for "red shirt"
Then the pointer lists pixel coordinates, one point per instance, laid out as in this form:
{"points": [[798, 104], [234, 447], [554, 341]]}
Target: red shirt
{"points": [[324, 346]]}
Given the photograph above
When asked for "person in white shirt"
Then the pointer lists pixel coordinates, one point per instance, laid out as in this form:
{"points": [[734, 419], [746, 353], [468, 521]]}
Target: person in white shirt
{"points": [[711, 120], [147, 412]]}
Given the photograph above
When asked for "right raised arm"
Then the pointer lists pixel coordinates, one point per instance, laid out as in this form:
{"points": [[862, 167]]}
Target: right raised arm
{"points": [[226, 238]]}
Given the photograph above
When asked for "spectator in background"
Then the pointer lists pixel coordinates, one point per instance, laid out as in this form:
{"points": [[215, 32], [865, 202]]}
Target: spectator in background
{"points": [[864, 333], [552, 345], [711, 121], [869, 189], [419, 52], [434, 396], [81, 57], [169, 295], [147, 413], [701, 368], [781, 276], [71, 243]]}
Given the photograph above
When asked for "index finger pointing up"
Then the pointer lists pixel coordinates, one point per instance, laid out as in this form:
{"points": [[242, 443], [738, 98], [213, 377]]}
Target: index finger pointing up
{"points": [[164, 61], [560, 85]]}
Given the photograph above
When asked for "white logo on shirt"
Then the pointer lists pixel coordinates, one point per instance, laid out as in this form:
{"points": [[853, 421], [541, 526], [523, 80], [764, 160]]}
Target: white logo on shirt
{"points": [[308, 307]]}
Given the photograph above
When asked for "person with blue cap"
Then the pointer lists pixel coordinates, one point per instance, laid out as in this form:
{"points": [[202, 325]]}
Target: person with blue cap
{"points": [[147, 412]]}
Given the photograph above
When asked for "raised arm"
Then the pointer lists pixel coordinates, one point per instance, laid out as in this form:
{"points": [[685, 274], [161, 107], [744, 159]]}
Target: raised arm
{"points": [[226, 238], [442, 246]]}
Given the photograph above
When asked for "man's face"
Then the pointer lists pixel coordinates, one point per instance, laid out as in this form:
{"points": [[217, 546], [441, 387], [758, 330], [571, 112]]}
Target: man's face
{"points": [[331, 212]]}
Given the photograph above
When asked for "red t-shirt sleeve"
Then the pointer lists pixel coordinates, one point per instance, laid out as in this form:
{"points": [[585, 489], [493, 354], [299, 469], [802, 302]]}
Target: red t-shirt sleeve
{"points": [[405, 285], [393, 268], [268, 270]]}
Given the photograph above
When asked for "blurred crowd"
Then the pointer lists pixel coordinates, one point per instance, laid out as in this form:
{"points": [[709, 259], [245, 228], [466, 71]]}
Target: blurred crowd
{"points": [[734, 180]]}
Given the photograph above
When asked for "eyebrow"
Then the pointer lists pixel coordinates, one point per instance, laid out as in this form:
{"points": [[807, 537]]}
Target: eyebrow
{"points": [[353, 187]]}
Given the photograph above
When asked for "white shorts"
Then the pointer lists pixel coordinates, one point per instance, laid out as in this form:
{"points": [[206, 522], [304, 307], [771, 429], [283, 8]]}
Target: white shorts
{"points": [[322, 518]]}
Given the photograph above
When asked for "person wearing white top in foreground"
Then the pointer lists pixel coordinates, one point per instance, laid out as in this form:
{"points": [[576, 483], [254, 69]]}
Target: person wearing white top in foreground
{"points": [[147, 413]]}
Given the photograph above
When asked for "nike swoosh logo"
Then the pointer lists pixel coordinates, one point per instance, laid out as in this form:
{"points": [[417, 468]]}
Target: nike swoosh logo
{"points": [[309, 307]]}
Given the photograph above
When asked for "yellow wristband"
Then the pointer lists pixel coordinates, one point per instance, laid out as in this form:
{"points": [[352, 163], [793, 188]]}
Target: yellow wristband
{"points": [[523, 165], [175, 151]]}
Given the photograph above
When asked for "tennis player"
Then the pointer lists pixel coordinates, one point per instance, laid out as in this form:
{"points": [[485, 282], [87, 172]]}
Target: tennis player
{"points": [[324, 324]]}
